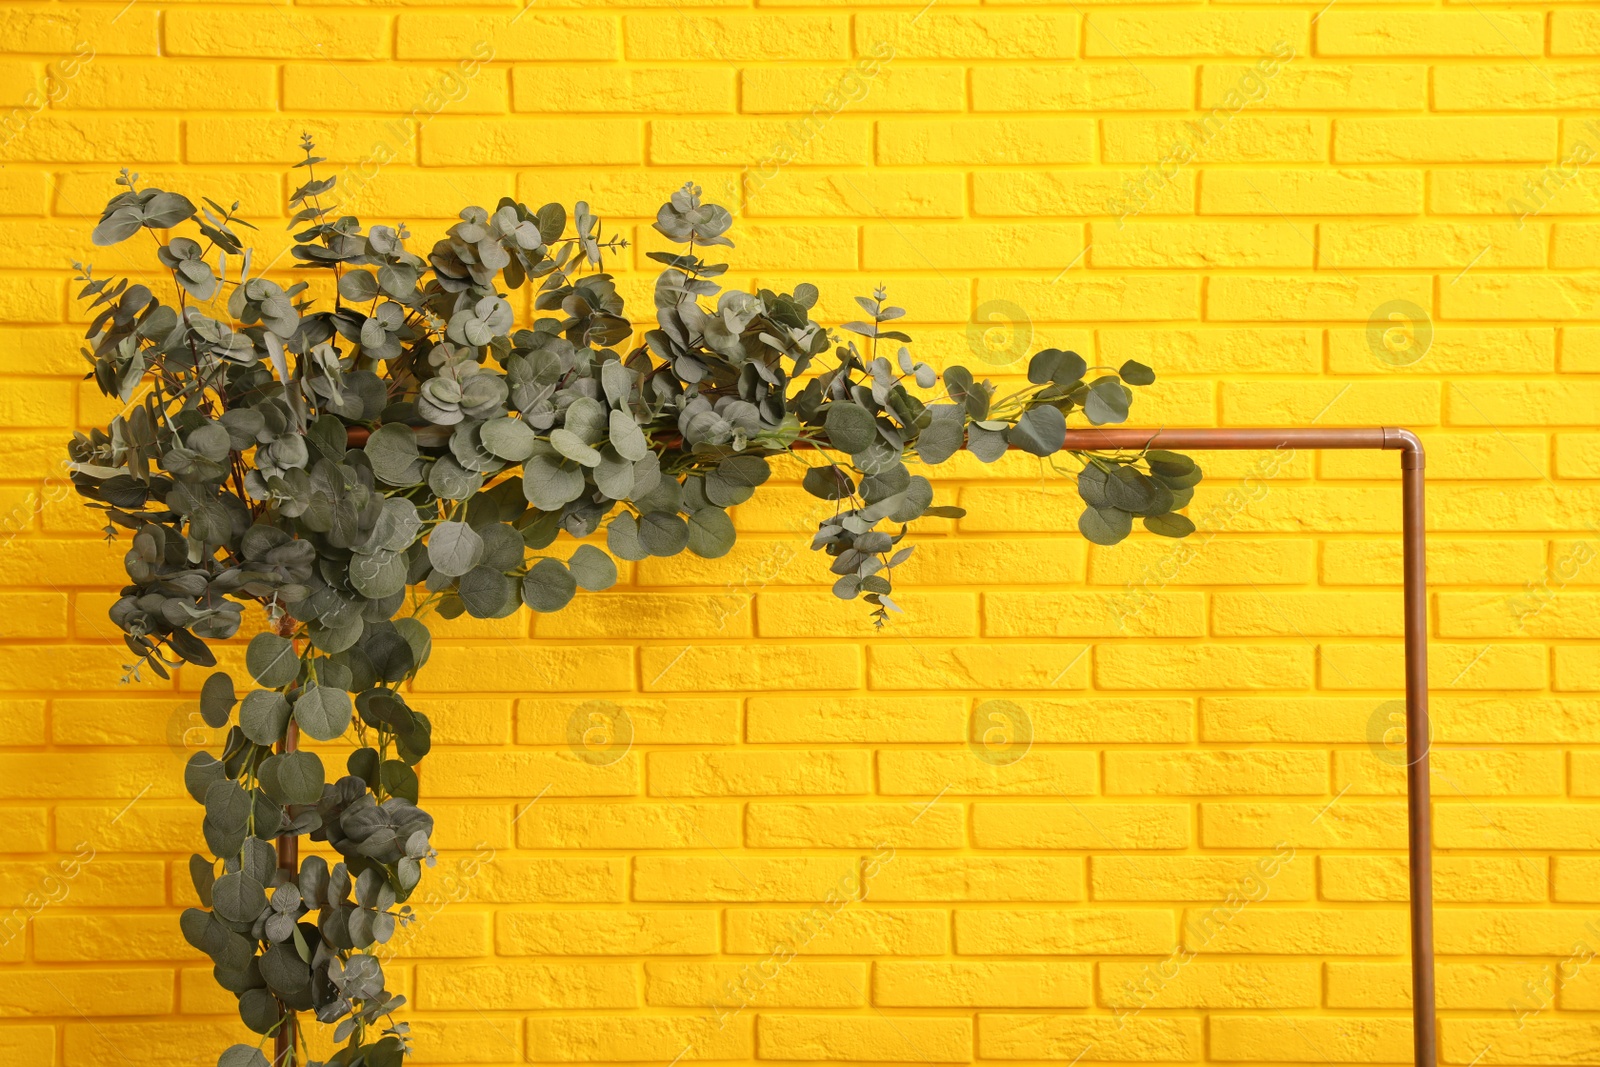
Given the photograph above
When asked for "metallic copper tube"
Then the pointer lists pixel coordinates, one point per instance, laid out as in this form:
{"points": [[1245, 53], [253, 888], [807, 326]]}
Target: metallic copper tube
{"points": [[1413, 526]]}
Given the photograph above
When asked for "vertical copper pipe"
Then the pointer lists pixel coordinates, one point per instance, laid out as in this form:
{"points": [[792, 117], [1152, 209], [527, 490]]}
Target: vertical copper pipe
{"points": [[288, 865], [1419, 825], [1419, 821]]}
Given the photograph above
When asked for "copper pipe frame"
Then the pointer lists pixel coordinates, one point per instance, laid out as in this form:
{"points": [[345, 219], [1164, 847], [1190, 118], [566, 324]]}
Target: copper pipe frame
{"points": [[1418, 821]]}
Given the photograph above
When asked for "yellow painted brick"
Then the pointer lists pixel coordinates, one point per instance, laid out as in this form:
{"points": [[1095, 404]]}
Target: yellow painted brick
{"points": [[1543, 608], [849, 719], [582, 1038], [401, 90], [30, 300], [1346, 824], [1507, 87], [1286, 772], [458, 668], [1133, 297], [524, 879], [1226, 33], [51, 31], [902, 1039], [255, 139], [108, 938], [1575, 244], [144, 1044], [920, 665], [1073, 192], [1580, 348], [970, 34], [1084, 87], [915, 984], [1218, 136], [1459, 772], [1037, 771], [651, 722], [914, 825], [1574, 33], [1082, 931], [524, 34], [1093, 614], [1210, 985], [1542, 1040], [623, 90], [1059, 1037], [1523, 403], [758, 773], [1143, 568], [1264, 1037], [1372, 985], [628, 614], [283, 34], [1574, 879], [861, 194], [1285, 614], [1321, 931], [444, 934], [457, 773], [790, 879], [628, 826], [923, 614], [1303, 86], [1039, 246], [1503, 826], [1575, 455], [978, 878], [84, 878], [854, 930], [1437, 246], [764, 145], [1204, 244], [526, 986], [1336, 191], [1106, 718], [1508, 931], [1535, 507], [731, 38], [1212, 666], [1257, 297], [1158, 878], [1474, 191], [634, 932], [667, 668], [811, 247], [725, 986], [868, 85], [1456, 879], [1515, 720], [1081, 826], [1444, 140], [984, 142], [1462, 457], [529, 142], [1294, 719], [1430, 33], [24, 193], [145, 991]]}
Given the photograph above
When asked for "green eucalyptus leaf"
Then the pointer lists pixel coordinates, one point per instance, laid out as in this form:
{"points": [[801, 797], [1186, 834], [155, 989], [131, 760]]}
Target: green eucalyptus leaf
{"points": [[272, 660], [592, 568], [1105, 526], [454, 548], [322, 712], [217, 700], [548, 586]]}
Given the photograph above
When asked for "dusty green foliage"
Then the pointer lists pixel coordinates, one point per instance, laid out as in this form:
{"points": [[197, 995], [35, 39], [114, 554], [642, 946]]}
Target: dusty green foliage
{"points": [[411, 449]]}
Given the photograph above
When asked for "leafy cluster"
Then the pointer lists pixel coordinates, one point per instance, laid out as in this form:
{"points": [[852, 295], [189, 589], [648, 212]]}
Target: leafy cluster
{"points": [[409, 449]]}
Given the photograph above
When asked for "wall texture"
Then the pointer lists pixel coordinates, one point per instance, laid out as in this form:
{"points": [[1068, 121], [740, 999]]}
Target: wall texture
{"points": [[1347, 213]]}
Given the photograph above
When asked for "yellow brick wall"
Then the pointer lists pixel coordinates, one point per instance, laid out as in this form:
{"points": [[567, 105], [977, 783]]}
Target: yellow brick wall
{"points": [[1207, 721]]}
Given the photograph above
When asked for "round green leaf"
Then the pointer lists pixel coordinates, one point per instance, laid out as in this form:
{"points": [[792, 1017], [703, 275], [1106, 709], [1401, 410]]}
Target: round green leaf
{"points": [[242, 1056], [485, 591], [574, 448], [264, 716], [592, 568], [548, 586], [1105, 526], [376, 575], [1135, 373], [392, 451], [322, 712], [663, 533], [293, 777], [217, 699], [271, 660], [202, 769], [1040, 431], [359, 286], [238, 897], [549, 485], [1169, 525], [626, 437], [622, 538], [454, 548], [510, 439], [851, 427], [710, 533]]}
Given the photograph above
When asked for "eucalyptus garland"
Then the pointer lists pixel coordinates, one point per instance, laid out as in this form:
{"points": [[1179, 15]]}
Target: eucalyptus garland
{"points": [[409, 449]]}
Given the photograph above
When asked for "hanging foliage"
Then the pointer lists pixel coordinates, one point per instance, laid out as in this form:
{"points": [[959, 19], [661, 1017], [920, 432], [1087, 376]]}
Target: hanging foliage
{"points": [[411, 449]]}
